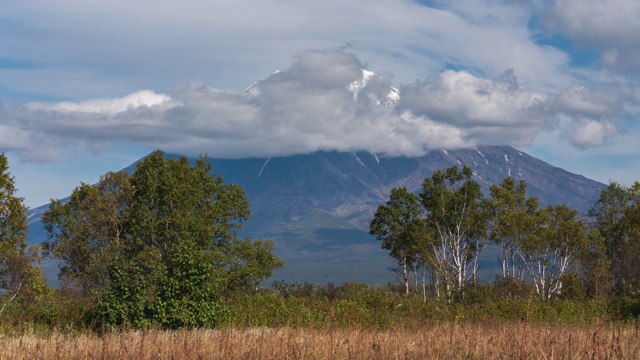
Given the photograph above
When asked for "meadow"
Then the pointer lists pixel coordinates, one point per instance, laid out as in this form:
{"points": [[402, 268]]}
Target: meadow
{"points": [[429, 340], [351, 321]]}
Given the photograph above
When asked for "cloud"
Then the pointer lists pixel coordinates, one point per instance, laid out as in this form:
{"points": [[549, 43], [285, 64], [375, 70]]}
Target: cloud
{"points": [[107, 106], [467, 101], [325, 100], [588, 133], [499, 111], [593, 116], [87, 50], [609, 26]]}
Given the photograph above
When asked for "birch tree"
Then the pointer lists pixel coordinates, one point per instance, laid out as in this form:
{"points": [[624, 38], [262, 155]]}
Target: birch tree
{"points": [[512, 222], [555, 249], [392, 225], [454, 211]]}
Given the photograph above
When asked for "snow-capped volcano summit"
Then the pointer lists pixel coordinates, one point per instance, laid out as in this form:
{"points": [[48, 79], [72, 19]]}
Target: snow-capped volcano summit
{"points": [[254, 89], [392, 98], [359, 87]]}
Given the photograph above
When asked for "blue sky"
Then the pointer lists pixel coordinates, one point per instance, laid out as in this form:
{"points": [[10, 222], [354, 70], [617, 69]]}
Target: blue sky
{"points": [[91, 86]]}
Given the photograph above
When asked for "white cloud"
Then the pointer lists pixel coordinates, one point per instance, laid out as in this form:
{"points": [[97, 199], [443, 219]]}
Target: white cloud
{"points": [[602, 23], [91, 50], [590, 101], [460, 98], [309, 107], [106, 106], [591, 133], [610, 26]]}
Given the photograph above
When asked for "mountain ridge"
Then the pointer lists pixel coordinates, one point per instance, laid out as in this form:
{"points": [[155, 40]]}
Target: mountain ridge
{"points": [[317, 207], [364, 179]]}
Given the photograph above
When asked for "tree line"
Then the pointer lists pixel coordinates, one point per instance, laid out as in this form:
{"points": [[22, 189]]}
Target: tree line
{"points": [[158, 247], [436, 238]]}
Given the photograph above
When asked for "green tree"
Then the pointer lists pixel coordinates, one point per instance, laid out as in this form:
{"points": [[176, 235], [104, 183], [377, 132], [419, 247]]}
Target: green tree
{"points": [[423, 247], [18, 276], [159, 246], [560, 239], [246, 263], [394, 225], [455, 213], [88, 231], [616, 217], [626, 263], [595, 267], [512, 222]]}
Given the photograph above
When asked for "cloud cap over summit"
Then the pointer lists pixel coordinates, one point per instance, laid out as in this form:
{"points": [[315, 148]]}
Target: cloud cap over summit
{"points": [[312, 106]]}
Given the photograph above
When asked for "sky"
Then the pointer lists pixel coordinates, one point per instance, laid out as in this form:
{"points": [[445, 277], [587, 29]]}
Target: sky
{"points": [[91, 86]]}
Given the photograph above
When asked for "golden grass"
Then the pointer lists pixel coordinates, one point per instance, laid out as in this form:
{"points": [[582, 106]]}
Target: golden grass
{"points": [[428, 341]]}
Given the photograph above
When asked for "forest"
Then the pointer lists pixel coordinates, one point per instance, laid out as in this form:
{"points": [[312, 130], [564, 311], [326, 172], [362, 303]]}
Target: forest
{"points": [[152, 262]]}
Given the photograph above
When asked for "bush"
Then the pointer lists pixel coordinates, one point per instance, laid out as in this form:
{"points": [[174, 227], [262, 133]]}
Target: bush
{"points": [[626, 307]]}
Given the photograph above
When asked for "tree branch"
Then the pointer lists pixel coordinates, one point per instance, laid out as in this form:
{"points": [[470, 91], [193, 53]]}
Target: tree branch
{"points": [[12, 298]]}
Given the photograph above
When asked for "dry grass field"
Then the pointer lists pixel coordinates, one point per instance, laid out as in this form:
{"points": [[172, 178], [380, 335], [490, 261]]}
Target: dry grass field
{"points": [[500, 340]]}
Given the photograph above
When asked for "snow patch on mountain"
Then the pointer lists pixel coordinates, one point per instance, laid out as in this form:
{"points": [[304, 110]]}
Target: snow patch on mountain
{"points": [[360, 161], [263, 166], [359, 84], [254, 89], [481, 179], [365, 166], [480, 153]]}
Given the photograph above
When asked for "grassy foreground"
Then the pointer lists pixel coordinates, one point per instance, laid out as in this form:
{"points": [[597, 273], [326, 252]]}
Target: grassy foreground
{"points": [[498, 340]]}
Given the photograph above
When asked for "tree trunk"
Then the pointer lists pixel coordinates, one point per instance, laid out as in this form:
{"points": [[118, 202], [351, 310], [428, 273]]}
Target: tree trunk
{"points": [[406, 275]]}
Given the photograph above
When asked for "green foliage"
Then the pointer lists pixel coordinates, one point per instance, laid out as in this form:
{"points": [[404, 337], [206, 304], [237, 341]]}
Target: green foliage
{"points": [[511, 288], [444, 236], [561, 236], [546, 244], [512, 219], [87, 232], [158, 247], [20, 281], [350, 305], [353, 305], [456, 213], [627, 307], [245, 263], [573, 287], [123, 301], [398, 224], [616, 217], [185, 294]]}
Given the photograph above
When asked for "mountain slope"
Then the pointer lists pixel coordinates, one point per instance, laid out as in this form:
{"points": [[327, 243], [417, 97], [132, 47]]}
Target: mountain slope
{"points": [[350, 186], [317, 207]]}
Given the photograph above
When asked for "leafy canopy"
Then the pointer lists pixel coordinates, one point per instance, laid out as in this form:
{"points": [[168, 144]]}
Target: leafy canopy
{"points": [[18, 276], [158, 246]]}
